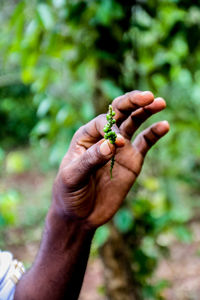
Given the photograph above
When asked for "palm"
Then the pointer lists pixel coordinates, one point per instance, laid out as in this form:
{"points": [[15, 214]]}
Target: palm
{"points": [[111, 192]]}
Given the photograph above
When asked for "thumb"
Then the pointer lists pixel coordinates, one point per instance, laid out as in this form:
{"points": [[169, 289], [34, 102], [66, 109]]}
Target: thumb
{"points": [[99, 154], [95, 157], [78, 172]]}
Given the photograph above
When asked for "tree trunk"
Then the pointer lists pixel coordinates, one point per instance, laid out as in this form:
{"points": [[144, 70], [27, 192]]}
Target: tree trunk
{"points": [[117, 262]]}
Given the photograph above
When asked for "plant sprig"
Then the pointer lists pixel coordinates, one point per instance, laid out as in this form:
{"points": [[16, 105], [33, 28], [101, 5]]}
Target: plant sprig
{"points": [[109, 134]]}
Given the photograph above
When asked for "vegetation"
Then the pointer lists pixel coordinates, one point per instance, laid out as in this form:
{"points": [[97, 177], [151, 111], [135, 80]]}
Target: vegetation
{"points": [[62, 63], [109, 133]]}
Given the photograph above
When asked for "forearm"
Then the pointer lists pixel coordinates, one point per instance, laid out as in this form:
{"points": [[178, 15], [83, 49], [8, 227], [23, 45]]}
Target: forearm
{"points": [[60, 265]]}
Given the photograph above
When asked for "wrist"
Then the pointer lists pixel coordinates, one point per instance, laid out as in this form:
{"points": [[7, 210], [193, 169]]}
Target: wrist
{"points": [[61, 261], [62, 226]]}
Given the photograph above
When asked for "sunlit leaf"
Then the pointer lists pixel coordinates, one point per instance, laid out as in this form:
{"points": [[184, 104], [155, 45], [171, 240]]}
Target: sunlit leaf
{"points": [[123, 220], [45, 15]]}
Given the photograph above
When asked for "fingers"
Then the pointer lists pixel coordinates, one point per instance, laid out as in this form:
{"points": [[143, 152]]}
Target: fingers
{"points": [[146, 139], [126, 104], [93, 158], [120, 141], [130, 103], [90, 133], [130, 125]]}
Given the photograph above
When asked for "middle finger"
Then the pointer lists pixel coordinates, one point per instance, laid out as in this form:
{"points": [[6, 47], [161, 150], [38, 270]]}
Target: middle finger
{"points": [[130, 125]]}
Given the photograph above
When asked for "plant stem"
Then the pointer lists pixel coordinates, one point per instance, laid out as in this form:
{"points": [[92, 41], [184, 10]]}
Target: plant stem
{"points": [[109, 134]]}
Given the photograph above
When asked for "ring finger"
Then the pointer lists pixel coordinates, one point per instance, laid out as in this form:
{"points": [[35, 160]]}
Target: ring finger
{"points": [[133, 122]]}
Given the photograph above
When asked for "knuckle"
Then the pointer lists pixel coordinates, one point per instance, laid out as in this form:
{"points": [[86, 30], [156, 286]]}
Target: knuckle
{"points": [[100, 122], [66, 177], [79, 131], [70, 178], [133, 92], [85, 163], [156, 136], [149, 141], [101, 117], [91, 160]]}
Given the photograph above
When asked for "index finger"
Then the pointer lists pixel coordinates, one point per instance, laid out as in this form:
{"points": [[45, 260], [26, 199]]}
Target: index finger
{"points": [[92, 132]]}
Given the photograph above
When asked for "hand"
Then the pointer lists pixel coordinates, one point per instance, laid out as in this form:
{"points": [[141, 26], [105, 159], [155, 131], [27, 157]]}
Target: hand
{"points": [[83, 189]]}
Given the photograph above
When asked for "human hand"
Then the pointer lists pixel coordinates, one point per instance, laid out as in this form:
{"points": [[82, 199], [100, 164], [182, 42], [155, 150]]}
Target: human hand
{"points": [[83, 189]]}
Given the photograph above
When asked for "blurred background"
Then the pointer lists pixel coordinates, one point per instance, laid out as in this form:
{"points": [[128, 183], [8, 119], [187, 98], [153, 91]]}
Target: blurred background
{"points": [[61, 63]]}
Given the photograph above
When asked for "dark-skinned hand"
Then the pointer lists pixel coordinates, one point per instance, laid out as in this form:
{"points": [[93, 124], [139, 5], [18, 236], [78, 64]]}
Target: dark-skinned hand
{"points": [[83, 189]]}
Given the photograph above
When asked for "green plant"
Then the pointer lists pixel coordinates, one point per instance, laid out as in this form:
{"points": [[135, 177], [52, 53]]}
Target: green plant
{"points": [[109, 133], [9, 200]]}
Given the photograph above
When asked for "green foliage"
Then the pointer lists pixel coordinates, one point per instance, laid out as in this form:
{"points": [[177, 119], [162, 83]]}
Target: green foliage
{"points": [[8, 207], [2, 156], [17, 114], [154, 292], [74, 57], [101, 236], [16, 163], [123, 220]]}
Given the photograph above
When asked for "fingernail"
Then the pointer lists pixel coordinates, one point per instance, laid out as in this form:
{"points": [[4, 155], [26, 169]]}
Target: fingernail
{"points": [[165, 122], [119, 136], [146, 93], [163, 127], [105, 148], [120, 141]]}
